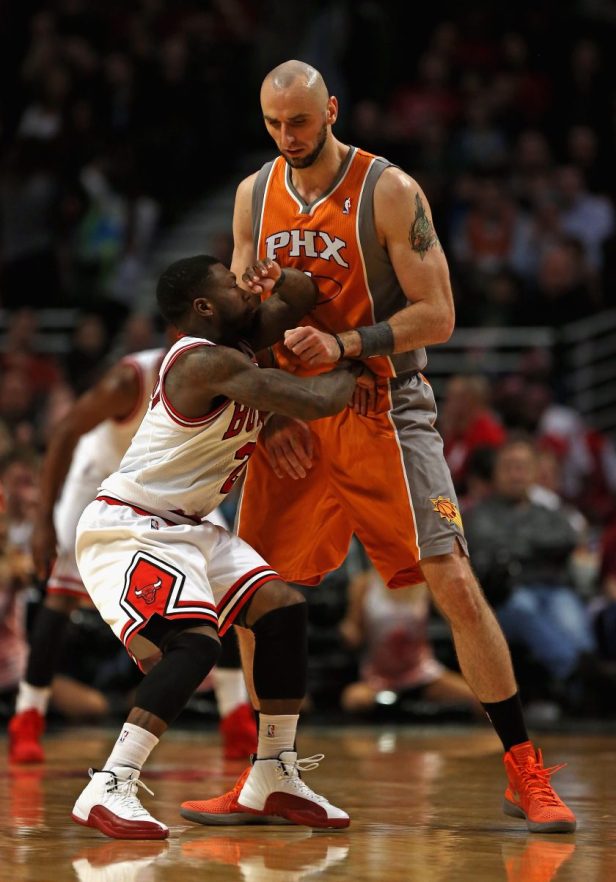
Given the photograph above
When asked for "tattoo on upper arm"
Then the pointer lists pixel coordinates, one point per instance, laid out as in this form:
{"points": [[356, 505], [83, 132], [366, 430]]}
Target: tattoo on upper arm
{"points": [[422, 234]]}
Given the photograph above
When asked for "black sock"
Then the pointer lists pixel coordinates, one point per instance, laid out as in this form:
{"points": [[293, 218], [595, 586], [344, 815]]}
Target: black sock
{"points": [[507, 718], [45, 646]]}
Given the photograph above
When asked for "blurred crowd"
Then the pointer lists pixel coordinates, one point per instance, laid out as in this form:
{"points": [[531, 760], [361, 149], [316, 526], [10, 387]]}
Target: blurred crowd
{"points": [[115, 117]]}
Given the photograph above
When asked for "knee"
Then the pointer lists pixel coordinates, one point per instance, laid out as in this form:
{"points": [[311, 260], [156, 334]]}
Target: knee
{"points": [[273, 595], [459, 596]]}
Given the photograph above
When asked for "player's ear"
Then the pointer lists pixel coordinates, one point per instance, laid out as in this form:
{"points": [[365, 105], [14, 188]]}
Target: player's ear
{"points": [[203, 307], [331, 114]]}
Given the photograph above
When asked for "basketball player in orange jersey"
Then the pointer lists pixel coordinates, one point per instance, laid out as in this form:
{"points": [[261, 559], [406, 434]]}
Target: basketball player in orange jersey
{"points": [[363, 230]]}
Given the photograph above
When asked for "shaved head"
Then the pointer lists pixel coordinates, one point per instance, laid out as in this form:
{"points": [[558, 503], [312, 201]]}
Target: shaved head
{"points": [[298, 111], [291, 73]]}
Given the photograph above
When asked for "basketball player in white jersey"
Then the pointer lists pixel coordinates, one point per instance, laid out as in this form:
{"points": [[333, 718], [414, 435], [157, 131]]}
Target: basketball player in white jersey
{"points": [[165, 579], [86, 446]]}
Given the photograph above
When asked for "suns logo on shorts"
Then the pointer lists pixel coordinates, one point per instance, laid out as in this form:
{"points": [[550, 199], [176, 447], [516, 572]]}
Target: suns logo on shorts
{"points": [[447, 510]]}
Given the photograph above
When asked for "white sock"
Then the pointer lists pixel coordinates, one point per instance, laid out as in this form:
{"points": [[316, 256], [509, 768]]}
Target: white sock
{"points": [[276, 733], [230, 689], [32, 698], [132, 748]]}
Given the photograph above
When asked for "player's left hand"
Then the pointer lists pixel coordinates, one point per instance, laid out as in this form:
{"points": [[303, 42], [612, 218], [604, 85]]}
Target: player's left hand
{"points": [[262, 276], [365, 396], [313, 347]]}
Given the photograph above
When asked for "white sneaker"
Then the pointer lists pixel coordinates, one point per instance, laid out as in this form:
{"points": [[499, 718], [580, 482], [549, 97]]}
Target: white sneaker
{"points": [[274, 787], [110, 804]]}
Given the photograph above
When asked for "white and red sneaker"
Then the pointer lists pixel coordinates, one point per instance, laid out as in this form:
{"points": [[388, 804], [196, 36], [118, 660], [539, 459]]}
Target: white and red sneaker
{"points": [[25, 731], [110, 804], [271, 792]]}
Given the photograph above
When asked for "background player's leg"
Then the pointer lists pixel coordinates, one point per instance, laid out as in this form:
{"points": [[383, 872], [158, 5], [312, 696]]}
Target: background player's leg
{"points": [[237, 721], [28, 723]]}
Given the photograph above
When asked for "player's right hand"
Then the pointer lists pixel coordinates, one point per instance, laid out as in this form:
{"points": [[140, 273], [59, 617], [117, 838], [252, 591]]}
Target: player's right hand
{"points": [[288, 444], [44, 543], [262, 276]]}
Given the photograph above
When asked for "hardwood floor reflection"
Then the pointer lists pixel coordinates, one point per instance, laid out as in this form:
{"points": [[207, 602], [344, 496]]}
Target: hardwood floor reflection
{"points": [[425, 805]]}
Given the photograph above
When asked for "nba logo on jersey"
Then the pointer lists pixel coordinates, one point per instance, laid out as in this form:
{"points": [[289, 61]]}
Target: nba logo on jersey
{"points": [[271, 730], [347, 206], [154, 524]]}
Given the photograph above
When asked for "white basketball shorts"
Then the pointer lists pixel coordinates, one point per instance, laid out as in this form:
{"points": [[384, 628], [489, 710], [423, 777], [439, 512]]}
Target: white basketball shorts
{"points": [[135, 564]]}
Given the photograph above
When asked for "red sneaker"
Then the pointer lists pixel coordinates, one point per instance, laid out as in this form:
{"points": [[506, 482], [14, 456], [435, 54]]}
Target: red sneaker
{"points": [[225, 809], [271, 792], [239, 733], [530, 794], [25, 732]]}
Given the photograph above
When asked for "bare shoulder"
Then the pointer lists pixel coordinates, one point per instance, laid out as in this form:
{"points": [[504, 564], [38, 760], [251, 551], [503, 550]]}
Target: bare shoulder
{"points": [[121, 378], [402, 212], [207, 364], [396, 191], [245, 188]]}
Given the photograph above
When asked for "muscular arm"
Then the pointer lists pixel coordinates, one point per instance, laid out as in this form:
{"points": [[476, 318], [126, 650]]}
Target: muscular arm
{"points": [[297, 294], [207, 372], [114, 396], [404, 225]]}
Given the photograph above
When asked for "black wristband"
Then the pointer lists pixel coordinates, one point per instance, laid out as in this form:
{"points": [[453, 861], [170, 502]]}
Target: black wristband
{"points": [[340, 345], [376, 340], [279, 281]]}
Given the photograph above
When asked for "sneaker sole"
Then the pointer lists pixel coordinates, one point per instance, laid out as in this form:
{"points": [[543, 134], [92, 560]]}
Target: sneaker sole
{"points": [[232, 819], [107, 829], [514, 811]]}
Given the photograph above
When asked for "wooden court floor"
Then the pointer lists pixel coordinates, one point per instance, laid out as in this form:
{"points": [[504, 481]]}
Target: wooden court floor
{"points": [[425, 806]]}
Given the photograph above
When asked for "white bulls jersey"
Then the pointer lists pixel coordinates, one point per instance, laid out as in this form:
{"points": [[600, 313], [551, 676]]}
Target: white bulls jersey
{"points": [[97, 454], [182, 467], [100, 451]]}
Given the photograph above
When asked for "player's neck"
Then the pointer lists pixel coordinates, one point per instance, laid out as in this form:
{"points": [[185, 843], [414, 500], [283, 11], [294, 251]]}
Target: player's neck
{"points": [[312, 182]]}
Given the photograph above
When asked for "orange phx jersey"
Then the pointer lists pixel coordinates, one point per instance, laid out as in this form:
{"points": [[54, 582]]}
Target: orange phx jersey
{"points": [[383, 476], [333, 240]]}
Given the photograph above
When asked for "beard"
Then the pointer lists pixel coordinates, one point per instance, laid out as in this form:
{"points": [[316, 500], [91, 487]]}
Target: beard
{"points": [[307, 161]]}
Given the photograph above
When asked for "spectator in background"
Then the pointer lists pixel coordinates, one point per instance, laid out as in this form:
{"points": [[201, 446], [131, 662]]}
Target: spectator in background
{"points": [[564, 292], [19, 482], [527, 548], [586, 217], [29, 194], [89, 346], [21, 352], [604, 606], [430, 98], [493, 235], [391, 629], [479, 476], [18, 406], [467, 423], [15, 573]]}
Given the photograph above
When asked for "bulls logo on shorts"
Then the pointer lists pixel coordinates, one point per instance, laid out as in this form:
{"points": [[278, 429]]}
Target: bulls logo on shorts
{"points": [[149, 585], [152, 585]]}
